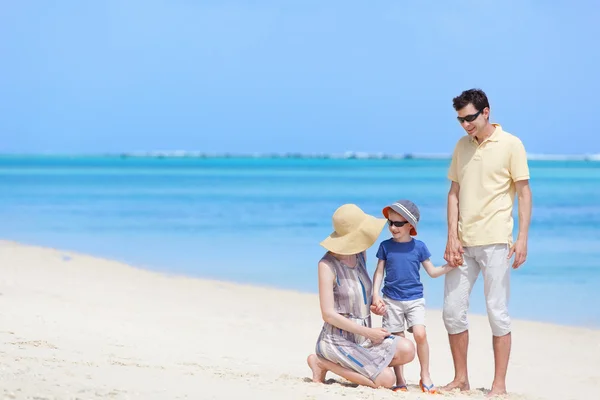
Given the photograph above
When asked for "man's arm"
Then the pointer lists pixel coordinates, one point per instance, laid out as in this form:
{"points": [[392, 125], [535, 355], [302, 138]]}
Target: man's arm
{"points": [[525, 202], [454, 250], [453, 210]]}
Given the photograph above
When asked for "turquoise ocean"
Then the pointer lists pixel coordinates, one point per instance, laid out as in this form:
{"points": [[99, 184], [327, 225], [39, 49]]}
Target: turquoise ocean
{"points": [[260, 220]]}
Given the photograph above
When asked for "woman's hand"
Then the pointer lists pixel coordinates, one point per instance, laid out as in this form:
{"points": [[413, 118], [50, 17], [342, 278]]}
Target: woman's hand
{"points": [[376, 335]]}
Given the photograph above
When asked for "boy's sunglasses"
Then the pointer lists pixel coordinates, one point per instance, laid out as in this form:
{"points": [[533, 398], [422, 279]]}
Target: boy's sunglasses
{"points": [[397, 224], [469, 118]]}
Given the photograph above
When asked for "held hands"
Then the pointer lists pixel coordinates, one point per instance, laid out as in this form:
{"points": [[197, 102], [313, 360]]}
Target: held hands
{"points": [[377, 335], [519, 249], [378, 306], [454, 252]]}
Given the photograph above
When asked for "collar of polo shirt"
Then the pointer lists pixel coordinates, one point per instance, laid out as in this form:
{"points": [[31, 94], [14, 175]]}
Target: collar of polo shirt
{"points": [[494, 136]]}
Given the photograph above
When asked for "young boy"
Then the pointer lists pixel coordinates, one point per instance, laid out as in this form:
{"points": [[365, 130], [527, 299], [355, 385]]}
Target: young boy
{"points": [[401, 257]]}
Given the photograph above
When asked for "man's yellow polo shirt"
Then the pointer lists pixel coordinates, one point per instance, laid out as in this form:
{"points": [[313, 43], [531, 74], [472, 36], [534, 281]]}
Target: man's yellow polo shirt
{"points": [[487, 173]]}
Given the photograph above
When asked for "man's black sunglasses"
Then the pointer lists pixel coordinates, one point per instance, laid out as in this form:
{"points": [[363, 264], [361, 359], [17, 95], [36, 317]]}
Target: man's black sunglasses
{"points": [[397, 224], [469, 118]]}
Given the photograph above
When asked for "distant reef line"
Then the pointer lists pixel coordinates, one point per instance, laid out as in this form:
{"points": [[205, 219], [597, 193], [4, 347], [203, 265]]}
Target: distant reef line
{"points": [[349, 155]]}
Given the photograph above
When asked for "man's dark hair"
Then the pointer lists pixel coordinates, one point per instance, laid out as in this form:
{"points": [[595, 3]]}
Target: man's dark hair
{"points": [[474, 96]]}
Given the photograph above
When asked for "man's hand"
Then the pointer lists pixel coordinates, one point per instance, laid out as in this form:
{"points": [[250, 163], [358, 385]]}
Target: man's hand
{"points": [[454, 252], [519, 249], [378, 306]]}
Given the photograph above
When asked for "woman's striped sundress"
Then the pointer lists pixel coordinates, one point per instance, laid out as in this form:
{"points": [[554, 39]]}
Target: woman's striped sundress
{"points": [[352, 292]]}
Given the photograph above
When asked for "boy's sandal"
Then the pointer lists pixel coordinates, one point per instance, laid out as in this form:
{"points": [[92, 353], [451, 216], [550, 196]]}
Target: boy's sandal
{"points": [[400, 388], [428, 389]]}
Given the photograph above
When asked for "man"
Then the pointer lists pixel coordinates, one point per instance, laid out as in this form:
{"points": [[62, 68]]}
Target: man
{"points": [[488, 166]]}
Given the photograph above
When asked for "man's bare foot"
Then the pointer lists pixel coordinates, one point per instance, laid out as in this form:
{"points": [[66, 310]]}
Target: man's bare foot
{"points": [[462, 385], [318, 372], [496, 391]]}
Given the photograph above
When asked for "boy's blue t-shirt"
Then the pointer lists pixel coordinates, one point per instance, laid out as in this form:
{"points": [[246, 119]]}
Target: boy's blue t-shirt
{"points": [[402, 264]]}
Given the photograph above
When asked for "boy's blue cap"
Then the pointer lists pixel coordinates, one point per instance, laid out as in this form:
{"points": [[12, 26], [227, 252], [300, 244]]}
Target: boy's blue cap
{"points": [[408, 210]]}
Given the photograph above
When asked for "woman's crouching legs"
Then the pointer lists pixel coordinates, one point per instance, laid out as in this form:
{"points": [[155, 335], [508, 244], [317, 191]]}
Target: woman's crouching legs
{"points": [[317, 367], [386, 378], [321, 366], [405, 352]]}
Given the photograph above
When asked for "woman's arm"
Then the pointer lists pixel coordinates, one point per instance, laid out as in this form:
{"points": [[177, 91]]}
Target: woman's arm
{"points": [[326, 282], [377, 279]]}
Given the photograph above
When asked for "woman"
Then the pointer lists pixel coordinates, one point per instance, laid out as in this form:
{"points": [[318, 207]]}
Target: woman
{"points": [[348, 346]]}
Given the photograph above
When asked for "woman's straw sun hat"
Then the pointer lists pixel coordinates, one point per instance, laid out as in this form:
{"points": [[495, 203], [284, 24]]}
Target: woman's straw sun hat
{"points": [[354, 231]]}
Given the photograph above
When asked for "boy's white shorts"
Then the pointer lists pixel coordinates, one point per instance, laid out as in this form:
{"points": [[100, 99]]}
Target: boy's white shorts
{"points": [[402, 315]]}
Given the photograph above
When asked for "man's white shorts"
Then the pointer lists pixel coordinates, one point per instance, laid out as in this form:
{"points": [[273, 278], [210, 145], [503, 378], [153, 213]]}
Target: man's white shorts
{"points": [[402, 315], [492, 260]]}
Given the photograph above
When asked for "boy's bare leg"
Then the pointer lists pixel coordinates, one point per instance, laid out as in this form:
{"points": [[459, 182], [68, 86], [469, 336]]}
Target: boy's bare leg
{"points": [[399, 369], [420, 335]]}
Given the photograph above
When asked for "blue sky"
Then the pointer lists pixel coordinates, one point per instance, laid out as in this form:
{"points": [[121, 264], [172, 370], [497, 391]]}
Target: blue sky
{"points": [[293, 76]]}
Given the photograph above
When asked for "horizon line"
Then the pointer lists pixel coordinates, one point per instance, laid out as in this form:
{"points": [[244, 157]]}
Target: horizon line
{"points": [[293, 155]]}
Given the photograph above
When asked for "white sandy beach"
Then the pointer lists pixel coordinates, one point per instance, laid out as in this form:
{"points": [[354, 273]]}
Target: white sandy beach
{"points": [[77, 327]]}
